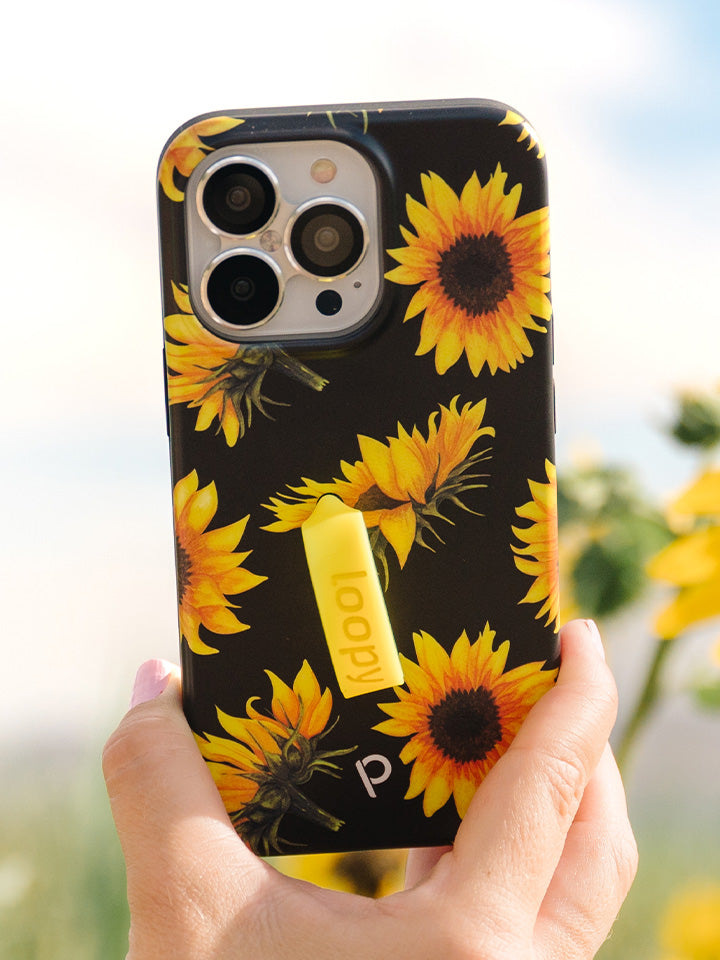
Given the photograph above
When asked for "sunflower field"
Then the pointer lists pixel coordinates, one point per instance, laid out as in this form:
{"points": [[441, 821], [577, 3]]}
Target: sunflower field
{"points": [[649, 575]]}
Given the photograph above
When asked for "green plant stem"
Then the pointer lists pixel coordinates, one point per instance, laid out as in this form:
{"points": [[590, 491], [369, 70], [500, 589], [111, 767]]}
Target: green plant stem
{"points": [[646, 702]]}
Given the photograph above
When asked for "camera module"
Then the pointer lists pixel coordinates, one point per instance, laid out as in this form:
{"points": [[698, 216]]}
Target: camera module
{"points": [[327, 239], [237, 197], [242, 289]]}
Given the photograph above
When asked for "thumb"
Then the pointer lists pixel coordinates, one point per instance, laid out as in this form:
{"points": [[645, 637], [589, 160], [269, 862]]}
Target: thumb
{"points": [[167, 811]]}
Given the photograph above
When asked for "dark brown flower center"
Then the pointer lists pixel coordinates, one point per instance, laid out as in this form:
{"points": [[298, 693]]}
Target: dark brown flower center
{"points": [[184, 568], [476, 273], [375, 499], [466, 724]]}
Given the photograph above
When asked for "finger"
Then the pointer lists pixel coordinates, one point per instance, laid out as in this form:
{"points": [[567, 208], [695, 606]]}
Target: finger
{"points": [[595, 872], [513, 834], [168, 813], [420, 862]]}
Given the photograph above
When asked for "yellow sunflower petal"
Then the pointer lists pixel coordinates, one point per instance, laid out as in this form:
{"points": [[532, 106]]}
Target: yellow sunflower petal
{"points": [[393, 727], [238, 581], [702, 498], [437, 793], [420, 300], [190, 629], [417, 680], [306, 686], [376, 456], [399, 526], [224, 539], [183, 490], [221, 620], [318, 720], [214, 125], [692, 605], [441, 200], [210, 408], [426, 224], [404, 275], [201, 508], [187, 329], [420, 775], [285, 703], [690, 559], [166, 180], [464, 789], [449, 348], [431, 656], [470, 198]]}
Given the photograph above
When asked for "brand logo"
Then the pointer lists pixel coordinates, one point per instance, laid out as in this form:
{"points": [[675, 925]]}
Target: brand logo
{"points": [[370, 782], [356, 628]]}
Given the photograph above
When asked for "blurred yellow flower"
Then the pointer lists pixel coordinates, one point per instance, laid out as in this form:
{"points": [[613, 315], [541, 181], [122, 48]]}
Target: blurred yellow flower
{"points": [[692, 561], [690, 929]]}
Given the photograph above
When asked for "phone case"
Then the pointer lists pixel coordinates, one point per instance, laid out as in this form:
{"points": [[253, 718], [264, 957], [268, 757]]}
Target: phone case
{"points": [[436, 422]]}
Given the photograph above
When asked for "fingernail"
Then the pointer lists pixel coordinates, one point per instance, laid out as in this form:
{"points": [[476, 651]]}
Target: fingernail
{"points": [[596, 638], [150, 681]]}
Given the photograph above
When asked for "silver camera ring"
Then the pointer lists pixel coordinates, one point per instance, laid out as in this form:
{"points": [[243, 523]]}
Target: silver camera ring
{"points": [[318, 202], [225, 326]]}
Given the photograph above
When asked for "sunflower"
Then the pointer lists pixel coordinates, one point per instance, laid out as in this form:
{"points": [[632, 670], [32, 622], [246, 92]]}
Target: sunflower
{"points": [[539, 557], [400, 485], [692, 561], [527, 131], [222, 379], [187, 150], [260, 770], [461, 712], [482, 270], [207, 566]]}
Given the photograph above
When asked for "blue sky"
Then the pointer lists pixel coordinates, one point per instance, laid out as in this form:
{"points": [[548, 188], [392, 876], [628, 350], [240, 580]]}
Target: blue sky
{"points": [[625, 96]]}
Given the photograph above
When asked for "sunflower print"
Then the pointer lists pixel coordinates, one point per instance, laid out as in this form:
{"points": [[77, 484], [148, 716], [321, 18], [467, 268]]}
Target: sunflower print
{"points": [[188, 149], [482, 272], [220, 379], [527, 131], [538, 557], [260, 769], [401, 485], [461, 711], [208, 568]]}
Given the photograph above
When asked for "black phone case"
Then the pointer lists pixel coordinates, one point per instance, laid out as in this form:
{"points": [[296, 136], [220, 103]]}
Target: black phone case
{"points": [[436, 421]]}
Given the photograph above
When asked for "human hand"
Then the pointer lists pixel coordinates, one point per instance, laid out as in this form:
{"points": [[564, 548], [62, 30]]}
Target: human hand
{"points": [[540, 867]]}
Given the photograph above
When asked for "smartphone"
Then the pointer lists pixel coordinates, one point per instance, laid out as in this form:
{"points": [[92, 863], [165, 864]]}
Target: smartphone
{"points": [[358, 356]]}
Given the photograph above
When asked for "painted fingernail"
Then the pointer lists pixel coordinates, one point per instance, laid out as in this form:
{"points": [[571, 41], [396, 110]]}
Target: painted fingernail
{"points": [[596, 638], [150, 681]]}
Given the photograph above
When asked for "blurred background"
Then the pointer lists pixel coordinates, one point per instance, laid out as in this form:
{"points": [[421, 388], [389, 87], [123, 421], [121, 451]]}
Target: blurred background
{"points": [[626, 99]]}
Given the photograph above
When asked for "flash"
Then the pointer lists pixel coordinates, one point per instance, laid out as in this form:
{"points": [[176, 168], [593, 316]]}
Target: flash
{"points": [[323, 171], [271, 241]]}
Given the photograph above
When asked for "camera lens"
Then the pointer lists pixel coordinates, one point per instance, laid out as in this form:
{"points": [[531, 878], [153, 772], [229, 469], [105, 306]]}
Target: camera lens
{"points": [[327, 240], [243, 290], [238, 198]]}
